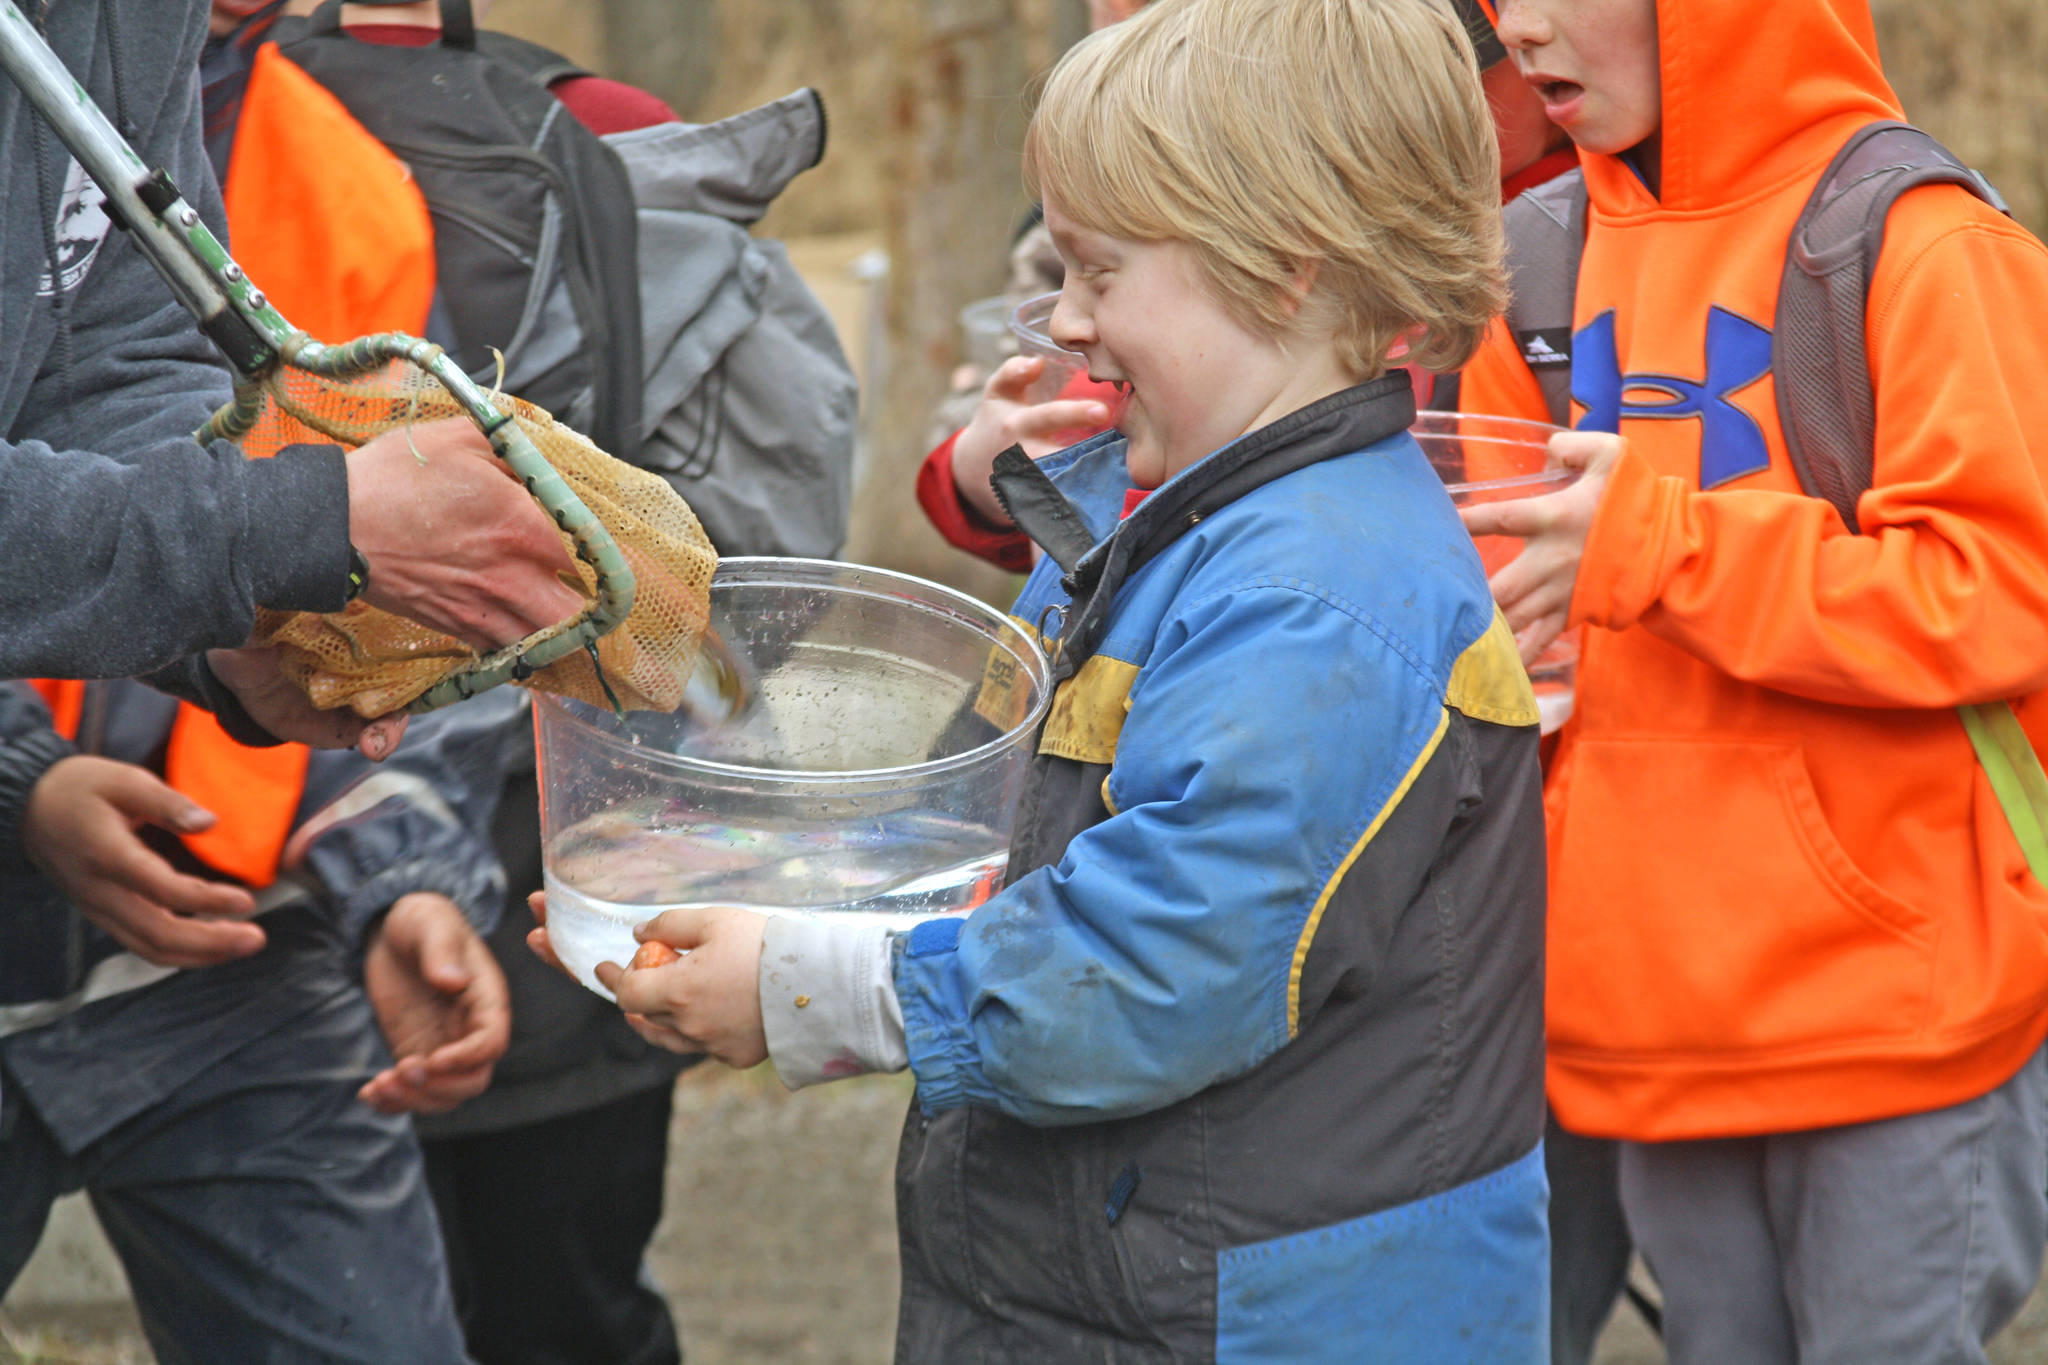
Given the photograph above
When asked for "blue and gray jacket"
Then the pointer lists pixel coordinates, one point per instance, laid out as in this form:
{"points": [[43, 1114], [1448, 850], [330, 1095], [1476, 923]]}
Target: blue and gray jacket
{"points": [[1245, 1063]]}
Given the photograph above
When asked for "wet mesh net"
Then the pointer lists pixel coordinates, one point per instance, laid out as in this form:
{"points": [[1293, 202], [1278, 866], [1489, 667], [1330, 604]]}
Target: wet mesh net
{"points": [[375, 662]]}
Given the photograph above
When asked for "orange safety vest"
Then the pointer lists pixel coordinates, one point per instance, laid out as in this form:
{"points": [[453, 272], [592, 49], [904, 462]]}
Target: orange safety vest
{"points": [[332, 226]]}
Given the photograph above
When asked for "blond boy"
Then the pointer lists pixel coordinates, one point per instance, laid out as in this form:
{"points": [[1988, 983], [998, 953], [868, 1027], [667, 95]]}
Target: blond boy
{"points": [[1244, 1062]]}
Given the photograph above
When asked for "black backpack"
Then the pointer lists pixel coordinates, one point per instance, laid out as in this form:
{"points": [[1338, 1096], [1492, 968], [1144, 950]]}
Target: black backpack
{"points": [[1819, 354], [525, 201], [617, 275]]}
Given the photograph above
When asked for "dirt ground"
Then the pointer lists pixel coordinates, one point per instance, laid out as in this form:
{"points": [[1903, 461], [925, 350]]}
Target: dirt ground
{"points": [[777, 1244]]}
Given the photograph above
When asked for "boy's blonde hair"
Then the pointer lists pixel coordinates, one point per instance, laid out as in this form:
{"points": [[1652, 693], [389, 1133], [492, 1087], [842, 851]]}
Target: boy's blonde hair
{"points": [[1350, 137]]}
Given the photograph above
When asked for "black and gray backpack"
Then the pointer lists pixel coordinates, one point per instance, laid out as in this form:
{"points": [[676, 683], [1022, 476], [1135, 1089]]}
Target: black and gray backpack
{"points": [[1819, 354], [616, 275]]}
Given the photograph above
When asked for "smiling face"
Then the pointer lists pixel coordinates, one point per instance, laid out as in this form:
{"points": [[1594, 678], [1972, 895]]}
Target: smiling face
{"points": [[1194, 377], [1594, 65]]}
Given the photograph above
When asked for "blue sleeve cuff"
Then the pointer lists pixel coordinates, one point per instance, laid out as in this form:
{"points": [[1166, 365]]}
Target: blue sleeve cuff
{"points": [[935, 1033]]}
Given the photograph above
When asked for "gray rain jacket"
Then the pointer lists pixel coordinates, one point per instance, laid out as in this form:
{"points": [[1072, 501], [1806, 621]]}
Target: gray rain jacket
{"points": [[127, 545]]}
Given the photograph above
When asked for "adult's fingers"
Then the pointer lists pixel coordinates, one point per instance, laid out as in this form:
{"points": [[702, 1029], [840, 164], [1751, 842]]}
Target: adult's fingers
{"points": [[140, 870]]}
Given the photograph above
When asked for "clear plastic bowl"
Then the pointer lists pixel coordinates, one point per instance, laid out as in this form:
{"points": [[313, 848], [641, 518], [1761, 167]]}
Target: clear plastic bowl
{"points": [[1030, 324], [1495, 459], [874, 778]]}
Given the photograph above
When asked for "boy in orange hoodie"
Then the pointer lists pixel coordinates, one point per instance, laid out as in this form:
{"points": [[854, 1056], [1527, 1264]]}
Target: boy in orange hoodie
{"points": [[1797, 960]]}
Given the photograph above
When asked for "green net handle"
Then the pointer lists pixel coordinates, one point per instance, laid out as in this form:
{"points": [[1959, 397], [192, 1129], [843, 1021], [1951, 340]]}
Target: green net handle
{"points": [[594, 544]]}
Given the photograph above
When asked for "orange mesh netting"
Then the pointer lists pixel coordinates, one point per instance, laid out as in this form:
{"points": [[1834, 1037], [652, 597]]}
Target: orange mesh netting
{"points": [[376, 663]]}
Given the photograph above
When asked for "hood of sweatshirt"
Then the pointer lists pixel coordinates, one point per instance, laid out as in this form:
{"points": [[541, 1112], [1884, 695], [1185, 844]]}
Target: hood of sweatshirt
{"points": [[1748, 105]]}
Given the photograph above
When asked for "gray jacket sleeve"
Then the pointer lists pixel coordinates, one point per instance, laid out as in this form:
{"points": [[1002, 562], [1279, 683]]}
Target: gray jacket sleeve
{"points": [[420, 820], [128, 543]]}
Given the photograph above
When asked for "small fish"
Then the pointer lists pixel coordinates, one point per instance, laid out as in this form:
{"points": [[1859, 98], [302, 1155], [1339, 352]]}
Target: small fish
{"points": [[653, 954]]}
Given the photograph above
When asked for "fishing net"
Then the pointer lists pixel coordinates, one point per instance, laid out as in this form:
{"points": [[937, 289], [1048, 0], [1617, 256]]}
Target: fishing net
{"points": [[375, 662]]}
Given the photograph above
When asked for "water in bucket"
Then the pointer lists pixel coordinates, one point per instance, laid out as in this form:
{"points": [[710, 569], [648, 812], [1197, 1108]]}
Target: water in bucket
{"points": [[873, 777]]}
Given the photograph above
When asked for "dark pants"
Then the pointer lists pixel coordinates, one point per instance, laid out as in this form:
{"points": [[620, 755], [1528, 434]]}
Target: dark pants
{"points": [[547, 1226], [1589, 1241], [264, 1215]]}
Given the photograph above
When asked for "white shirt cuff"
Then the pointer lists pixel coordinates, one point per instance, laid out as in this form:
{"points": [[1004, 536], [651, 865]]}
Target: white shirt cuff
{"points": [[828, 1001]]}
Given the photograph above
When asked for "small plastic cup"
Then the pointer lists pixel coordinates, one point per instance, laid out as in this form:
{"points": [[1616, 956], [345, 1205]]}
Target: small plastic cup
{"points": [[1498, 459], [1029, 325], [985, 327]]}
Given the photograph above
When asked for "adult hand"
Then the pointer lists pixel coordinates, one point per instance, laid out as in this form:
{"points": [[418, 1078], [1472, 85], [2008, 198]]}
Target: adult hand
{"points": [[274, 702], [1534, 589], [442, 1002], [79, 828], [452, 540], [709, 1000], [1005, 418]]}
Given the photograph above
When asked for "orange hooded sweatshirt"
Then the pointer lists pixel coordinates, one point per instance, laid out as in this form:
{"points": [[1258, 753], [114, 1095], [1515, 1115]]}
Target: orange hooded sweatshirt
{"points": [[1783, 895]]}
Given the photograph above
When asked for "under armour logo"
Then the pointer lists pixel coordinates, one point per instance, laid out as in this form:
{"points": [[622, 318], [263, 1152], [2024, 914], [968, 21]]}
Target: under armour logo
{"points": [[1738, 354]]}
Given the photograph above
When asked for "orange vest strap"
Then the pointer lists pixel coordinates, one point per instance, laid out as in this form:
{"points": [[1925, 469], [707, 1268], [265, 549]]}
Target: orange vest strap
{"points": [[66, 699], [255, 792], [324, 217]]}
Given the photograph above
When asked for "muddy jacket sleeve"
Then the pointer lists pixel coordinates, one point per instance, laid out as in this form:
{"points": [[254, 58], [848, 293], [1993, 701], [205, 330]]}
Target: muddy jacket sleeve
{"points": [[1271, 733], [128, 543], [418, 821], [1943, 599]]}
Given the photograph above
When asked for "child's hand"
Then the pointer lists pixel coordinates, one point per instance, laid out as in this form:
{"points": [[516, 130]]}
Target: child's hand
{"points": [[81, 826], [708, 1001], [1003, 419], [1535, 588]]}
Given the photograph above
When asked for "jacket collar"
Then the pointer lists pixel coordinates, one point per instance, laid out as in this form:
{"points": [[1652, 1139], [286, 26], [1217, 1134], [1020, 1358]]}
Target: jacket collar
{"points": [[1342, 423]]}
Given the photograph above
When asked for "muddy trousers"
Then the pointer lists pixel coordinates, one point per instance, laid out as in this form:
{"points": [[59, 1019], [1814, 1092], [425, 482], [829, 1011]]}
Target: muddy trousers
{"points": [[1908, 1239], [265, 1216]]}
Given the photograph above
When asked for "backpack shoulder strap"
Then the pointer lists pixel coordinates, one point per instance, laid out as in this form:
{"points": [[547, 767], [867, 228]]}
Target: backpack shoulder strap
{"points": [[1826, 405], [1546, 233], [1819, 354]]}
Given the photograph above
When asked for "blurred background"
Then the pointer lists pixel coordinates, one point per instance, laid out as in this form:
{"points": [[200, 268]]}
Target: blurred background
{"points": [[778, 1239], [927, 101]]}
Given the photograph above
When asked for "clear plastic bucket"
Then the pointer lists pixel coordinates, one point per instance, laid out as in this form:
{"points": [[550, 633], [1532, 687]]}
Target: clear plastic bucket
{"points": [[1495, 459], [875, 777]]}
